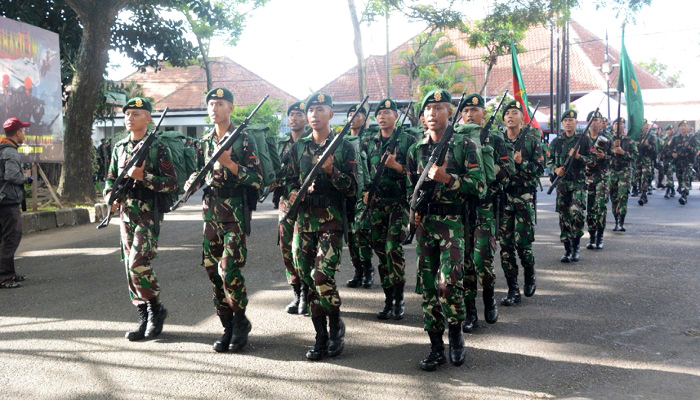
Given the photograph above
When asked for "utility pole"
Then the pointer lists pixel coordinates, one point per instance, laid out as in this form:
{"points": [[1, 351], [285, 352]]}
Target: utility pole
{"points": [[387, 61]]}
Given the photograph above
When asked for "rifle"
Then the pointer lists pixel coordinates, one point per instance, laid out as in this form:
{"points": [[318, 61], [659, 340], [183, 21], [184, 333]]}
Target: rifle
{"points": [[225, 144], [390, 148], [424, 191], [487, 128], [124, 183], [316, 170], [520, 141], [571, 158]]}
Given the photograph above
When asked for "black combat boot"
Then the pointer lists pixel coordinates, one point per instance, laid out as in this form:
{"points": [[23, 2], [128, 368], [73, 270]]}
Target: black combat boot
{"points": [[140, 331], [387, 311], [320, 348], [490, 309], [470, 322], [599, 243], [437, 352], [513, 296], [357, 278], [457, 350], [673, 191], [642, 199], [683, 200], [591, 243], [241, 329], [293, 307], [617, 224], [337, 334], [303, 303], [668, 193], [622, 224], [399, 304], [635, 191], [221, 345], [575, 250], [368, 279], [156, 316], [530, 281], [567, 255]]}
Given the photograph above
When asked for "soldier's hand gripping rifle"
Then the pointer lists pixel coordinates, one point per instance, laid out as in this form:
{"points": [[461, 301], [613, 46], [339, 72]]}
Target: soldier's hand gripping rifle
{"points": [[124, 183], [381, 167], [317, 168], [224, 145], [572, 157], [520, 141]]}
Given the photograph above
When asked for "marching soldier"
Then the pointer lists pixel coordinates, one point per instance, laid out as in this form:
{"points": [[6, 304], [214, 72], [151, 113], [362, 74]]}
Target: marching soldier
{"points": [[517, 225], [318, 242], [388, 214], [666, 161], [296, 117], [139, 215], [683, 149], [231, 186], [571, 191], [624, 152], [440, 228], [597, 181], [645, 164]]}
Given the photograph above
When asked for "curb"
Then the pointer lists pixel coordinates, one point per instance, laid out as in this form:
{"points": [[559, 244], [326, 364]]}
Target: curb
{"points": [[46, 220]]}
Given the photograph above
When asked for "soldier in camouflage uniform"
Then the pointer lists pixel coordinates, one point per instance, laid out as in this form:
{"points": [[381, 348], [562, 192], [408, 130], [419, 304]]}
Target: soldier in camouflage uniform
{"points": [[296, 116], [320, 222], [140, 217], [683, 150], [666, 160], [648, 149], [624, 153], [480, 242], [597, 180], [517, 225], [388, 213], [232, 185], [440, 228]]}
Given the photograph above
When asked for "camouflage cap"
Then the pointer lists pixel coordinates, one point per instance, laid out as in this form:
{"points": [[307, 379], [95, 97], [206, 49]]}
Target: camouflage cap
{"points": [[354, 109], [318, 99], [591, 115], [569, 114], [435, 96], [386, 104], [137, 103], [219, 94], [512, 105], [297, 106]]}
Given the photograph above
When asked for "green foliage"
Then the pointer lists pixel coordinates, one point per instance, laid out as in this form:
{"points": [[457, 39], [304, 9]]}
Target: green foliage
{"points": [[268, 115], [445, 17], [491, 108], [661, 72]]}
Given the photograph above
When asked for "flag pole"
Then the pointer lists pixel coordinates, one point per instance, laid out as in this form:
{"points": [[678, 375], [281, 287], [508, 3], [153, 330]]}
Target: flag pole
{"points": [[619, 93]]}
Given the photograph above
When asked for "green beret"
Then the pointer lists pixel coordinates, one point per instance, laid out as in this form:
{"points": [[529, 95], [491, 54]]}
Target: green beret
{"points": [[569, 114], [591, 116], [473, 100], [435, 96], [298, 106], [621, 119], [683, 122], [512, 105], [219, 94], [137, 103], [669, 128], [354, 109], [386, 104], [318, 99]]}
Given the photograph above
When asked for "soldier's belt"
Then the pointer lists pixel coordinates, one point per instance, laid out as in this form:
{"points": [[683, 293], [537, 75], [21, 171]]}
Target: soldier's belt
{"points": [[224, 192], [518, 190], [444, 209], [321, 201], [141, 194]]}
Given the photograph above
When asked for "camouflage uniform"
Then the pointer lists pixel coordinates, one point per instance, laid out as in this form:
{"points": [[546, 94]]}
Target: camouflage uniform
{"points": [[645, 164], [597, 180], [359, 234], [286, 227], [666, 161], [685, 148], [620, 171], [440, 233]]}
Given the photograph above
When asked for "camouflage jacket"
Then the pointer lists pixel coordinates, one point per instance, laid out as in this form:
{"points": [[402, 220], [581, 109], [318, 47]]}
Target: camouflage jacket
{"points": [[503, 159], [599, 167], [685, 147], [561, 146], [665, 147], [392, 184], [622, 162], [334, 187], [648, 148], [531, 167], [284, 147]]}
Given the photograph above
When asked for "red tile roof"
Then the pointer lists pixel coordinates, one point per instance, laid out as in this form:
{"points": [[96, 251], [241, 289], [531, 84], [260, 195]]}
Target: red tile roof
{"points": [[184, 88], [587, 53]]}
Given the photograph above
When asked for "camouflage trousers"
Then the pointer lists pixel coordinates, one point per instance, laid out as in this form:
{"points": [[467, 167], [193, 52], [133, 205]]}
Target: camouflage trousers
{"points": [[317, 259], [440, 248], [359, 245], [517, 233], [224, 253], [388, 231], [597, 202], [684, 175], [668, 173], [286, 237], [571, 206], [619, 191], [645, 172], [139, 245], [480, 247]]}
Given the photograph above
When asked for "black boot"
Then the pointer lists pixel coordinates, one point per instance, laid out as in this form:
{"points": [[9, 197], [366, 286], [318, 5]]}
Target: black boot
{"points": [[642, 199], [368, 279], [457, 350], [387, 311], [490, 309], [575, 250], [591, 243], [567, 255], [437, 352], [617, 224], [530, 281], [337, 334], [140, 331], [599, 243], [221, 345], [320, 348], [683, 200], [513, 296], [357, 278], [622, 224], [156, 316], [471, 319], [673, 191], [399, 304], [635, 191], [668, 193], [293, 307], [303, 304], [241, 329]]}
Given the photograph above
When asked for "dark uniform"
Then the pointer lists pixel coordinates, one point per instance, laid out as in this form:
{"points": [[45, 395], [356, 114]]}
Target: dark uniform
{"points": [[620, 175], [648, 149], [597, 180], [684, 147]]}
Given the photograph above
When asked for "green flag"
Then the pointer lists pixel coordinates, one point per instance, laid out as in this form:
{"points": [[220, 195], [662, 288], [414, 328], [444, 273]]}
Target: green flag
{"points": [[628, 83]]}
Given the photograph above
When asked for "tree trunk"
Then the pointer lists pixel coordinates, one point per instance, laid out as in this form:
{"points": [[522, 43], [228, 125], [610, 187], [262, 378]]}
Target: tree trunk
{"points": [[97, 19], [362, 85], [492, 62]]}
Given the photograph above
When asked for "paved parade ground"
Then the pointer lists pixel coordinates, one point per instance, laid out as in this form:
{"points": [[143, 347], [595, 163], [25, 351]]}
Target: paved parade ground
{"points": [[624, 323]]}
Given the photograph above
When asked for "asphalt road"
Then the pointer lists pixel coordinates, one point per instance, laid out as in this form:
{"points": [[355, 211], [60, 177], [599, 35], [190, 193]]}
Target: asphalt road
{"points": [[624, 323]]}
